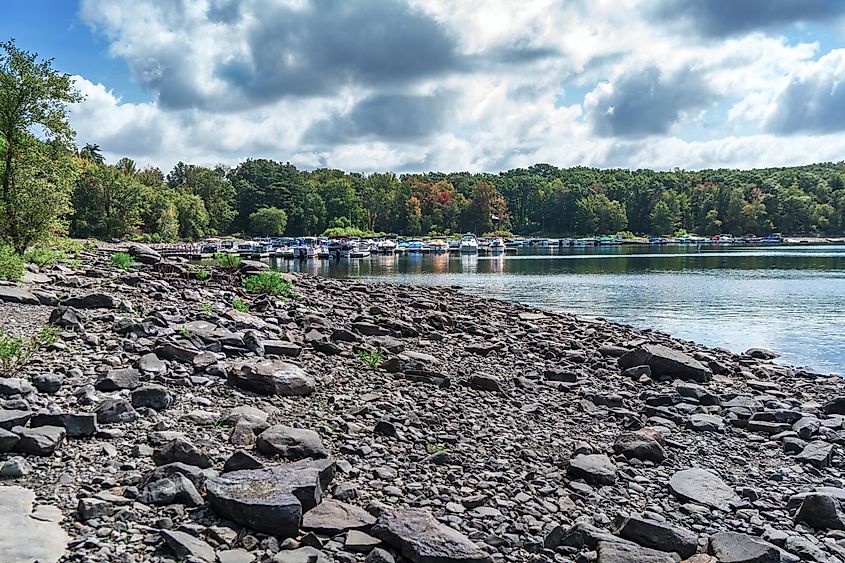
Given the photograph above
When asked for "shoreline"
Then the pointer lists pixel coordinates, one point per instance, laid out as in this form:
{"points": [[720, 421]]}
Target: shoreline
{"points": [[532, 435]]}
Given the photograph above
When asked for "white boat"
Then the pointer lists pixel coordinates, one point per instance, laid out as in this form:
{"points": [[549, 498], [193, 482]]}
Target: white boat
{"points": [[497, 245], [585, 242], [469, 244], [386, 247], [322, 251], [359, 252]]}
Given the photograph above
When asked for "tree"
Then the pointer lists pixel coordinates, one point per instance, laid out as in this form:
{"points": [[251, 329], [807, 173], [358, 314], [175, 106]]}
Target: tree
{"points": [[107, 203], [216, 191], [487, 210], [33, 96], [268, 221]]}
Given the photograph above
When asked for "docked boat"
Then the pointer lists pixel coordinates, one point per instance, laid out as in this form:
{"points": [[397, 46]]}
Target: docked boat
{"points": [[360, 251], [469, 244], [416, 247], [497, 245], [583, 242], [454, 244], [438, 246], [386, 246], [608, 241], [723, 239]]}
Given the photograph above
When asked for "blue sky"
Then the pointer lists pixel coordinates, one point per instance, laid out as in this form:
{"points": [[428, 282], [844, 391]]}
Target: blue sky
{"points": [[450, 85]]}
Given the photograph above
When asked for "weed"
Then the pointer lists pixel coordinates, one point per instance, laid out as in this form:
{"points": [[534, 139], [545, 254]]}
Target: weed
{"points": [[371, 358], [11, 265], [121, 260], [239, 305], [269, 283], [434, 448], [203, 275], [16, 351], [185, 331], [227, 261], [207, 308], [44, 256]]}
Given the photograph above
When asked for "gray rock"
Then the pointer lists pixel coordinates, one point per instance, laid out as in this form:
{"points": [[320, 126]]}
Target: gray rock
{"points": [[15, 387], [734, 547], [595, 469], [290, 443], [115, 411], [144, 254], [186, 546], [667, 362], [703, 487], [422, 539], [173, 489], [41, 441], [379, 555], [305, 554], [23, 538], [624, 552], [13, 417], [8, 440], [13, 294], [241, 460], [358, 541], [485, 383], [638, 445], [89, 508], [820, 512], [816, 453], [156, 397], [151, 364], [238, 555], [332, 517], [706, 423], [805, 549], [656, 535], [177, 352], [118, 379], [181, 451], [68, 317], [806, 427], [15, 467], [272, 377], [282, 348], [271, 500], [79, 425], [92, 301], [761, 354], [48, 383]]}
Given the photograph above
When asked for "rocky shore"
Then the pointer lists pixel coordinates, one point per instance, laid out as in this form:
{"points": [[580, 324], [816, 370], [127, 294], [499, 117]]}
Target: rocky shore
{"points": [[383, 423]]}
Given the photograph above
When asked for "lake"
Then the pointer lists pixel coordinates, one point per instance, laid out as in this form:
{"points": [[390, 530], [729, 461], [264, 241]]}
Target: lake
{"points": [[786, 298]]}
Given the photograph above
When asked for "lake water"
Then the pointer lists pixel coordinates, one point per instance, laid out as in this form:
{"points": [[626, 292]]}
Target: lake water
{"points": [[787, 299]]}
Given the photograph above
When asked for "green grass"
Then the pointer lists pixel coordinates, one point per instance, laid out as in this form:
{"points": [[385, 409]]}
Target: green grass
{"points": [[203, 274], [44, 256], [239, 305], [11, 264], [185, 331], [121, 260], [434, 448], [16, 351], [227, 261], [207, 308], [371, 358], [268, 283]]}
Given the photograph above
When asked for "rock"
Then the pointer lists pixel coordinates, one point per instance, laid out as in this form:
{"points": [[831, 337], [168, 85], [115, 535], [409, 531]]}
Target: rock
{"points": [[806, 427], [173, 489], [706, 423], [8, 440], [333, 517], [89, 508], [23, 536], [821, 512], [305, 554], [761, 354], [422, 539], [595, 469], [664, 361], [155, 397], [734, 547], [359, 541], [271, 500], [181, 451], [623, 552], [637, 445], [67, 317], [290, 443], [379, 555], [656, 535], [176, 352], [92, 301], [48, 383], [14, 468], [235, 556], [272, 377], [805, 550], [115, 411], [80, 425], [151, 364], [15, 387], [816, 453], [484, 383], [186, 546], [241, 460], [13, 294], [281, 348], [118, 379], [41, 441], [835, 405], [703, 487], [13, 417], [144, 254]]}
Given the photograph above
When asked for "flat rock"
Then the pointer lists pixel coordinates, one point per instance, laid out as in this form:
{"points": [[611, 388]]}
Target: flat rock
{"points": [[181, 451], [13, 417], [41, 441], [24, 539], [282, 348], [290, 443], [624, 552], [272, 377], [156, 397], [186, 546], [734, 547], [12, 294], [595, 469], [92, 301], [656, 535], [15, 387], [420, 537], [119, 379], [701, 422], [665, 361], [702, 487], [638, 445], [79, 425], [332, 517], [271, 500], [816, 453]]}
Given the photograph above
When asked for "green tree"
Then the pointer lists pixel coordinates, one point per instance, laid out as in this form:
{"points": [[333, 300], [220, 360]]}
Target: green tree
{"points": [[33, 96], [487, 210], [107, 203], [192, 216], [268, 221]]}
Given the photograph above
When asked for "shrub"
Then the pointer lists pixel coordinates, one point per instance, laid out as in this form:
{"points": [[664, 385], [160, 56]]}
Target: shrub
{"points": [[239, 305], [11, 264], [121, 260], [227, 261], [203, 274], [498, 233], [16, 351], [44, 256], [269, 283], [434, 448], [371, 358]]}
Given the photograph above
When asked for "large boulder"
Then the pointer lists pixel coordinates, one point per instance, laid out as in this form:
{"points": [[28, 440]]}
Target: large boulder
{"points": [[703, 487], [666, 362], [734, 547], [92, 301], [272, 377], [290, 443], [422, 539], [25, 537], [271, 500], [42, 441], [77, 425], [639, 445], [119, 379], [144, 254], [656, 535], [820, 512], [595, 469], [14, 294]]}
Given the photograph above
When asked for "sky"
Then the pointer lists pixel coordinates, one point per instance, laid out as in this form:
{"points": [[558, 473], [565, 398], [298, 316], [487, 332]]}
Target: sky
{"points": [[460, 85]]}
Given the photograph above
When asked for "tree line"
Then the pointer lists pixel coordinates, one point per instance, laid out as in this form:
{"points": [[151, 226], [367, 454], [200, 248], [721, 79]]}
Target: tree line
{"points": [[49, 188]]}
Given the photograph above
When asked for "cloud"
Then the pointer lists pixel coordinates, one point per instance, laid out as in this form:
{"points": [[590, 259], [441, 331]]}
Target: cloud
{"points": [[391, 117], [721, 18], [646, 101], [813, 100]]}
